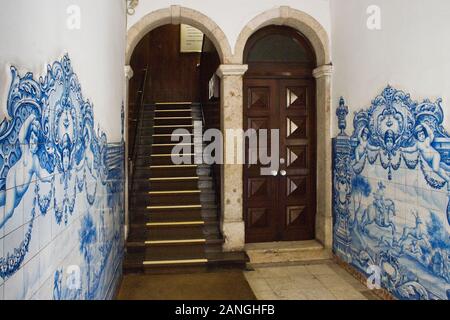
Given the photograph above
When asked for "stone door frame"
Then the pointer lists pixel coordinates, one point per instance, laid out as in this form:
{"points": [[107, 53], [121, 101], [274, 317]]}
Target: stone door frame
{"points": [[318, 37]]}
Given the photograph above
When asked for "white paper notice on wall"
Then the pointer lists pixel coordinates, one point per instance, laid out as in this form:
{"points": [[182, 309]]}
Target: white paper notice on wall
{"points": [[214, 87], [191, 39]]}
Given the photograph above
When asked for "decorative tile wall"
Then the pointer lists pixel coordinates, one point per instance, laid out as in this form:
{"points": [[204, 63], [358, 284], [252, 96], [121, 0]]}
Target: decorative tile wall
{"points": [[61, 192], [391, 195]]}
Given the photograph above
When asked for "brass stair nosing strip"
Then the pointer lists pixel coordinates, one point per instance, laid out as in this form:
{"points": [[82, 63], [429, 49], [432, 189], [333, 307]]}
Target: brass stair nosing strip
{"points": [[171, 154], [166, 262], [172, 134], [181, 241], [169, 166], [174, 192], [187, 206], [174, 110], [174, 103], [180, 223], [171, 144], [172, 118], [173, 178], [174, 126]]}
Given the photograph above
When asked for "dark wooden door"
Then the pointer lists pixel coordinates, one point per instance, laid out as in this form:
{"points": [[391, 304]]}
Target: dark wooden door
{"points": [[282, 206], [260, 192]]}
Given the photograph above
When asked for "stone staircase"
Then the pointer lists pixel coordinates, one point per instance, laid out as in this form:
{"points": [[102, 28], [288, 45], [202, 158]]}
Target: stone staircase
{"points": [[174, 224]]}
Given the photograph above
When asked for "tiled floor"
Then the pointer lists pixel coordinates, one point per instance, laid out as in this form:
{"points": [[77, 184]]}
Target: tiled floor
{"points": [[314, 281]]}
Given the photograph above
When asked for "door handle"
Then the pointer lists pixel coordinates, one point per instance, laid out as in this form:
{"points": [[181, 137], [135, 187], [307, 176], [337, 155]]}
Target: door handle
{"points": [[283, 172]]}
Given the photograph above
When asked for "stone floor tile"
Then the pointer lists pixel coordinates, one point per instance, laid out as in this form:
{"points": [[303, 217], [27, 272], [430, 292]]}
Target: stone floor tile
{"points": [[370, 295], [279, 284], [297, 271], [267, 295], [271, 272], [348, 294], [319, 294], [334, 282], [348, 277], [254, 274], [320, 269], [310, 281], [307, 282], [292, 295], [259, 285]]}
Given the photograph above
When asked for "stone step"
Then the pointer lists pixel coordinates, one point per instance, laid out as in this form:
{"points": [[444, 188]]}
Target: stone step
{"points": [[169, 120], [170, 113], [142, 216], [177, 183], [170, 129], [145, 200], [288, 251], [155, 171], [164, 159], [173, 106], [166, 138], [158, 253], [168, 148]]}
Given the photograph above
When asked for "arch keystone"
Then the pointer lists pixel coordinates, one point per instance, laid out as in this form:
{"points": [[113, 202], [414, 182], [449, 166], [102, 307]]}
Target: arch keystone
{"points": [[284, 12], [176, 14]]}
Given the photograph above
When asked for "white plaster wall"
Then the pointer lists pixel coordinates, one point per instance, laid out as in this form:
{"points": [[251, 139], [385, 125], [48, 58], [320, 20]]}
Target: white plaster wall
{"points": [[232, 15], [411, 51], [35, 33]]}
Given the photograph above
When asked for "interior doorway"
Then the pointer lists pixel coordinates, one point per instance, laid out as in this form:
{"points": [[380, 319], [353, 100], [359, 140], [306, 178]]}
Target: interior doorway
{"points": [[279, 93], [173, 208], [170, 66]]}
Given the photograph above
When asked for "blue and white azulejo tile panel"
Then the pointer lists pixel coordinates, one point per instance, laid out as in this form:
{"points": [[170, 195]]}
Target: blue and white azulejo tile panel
{"points": [[391, 194], [61, 192]]}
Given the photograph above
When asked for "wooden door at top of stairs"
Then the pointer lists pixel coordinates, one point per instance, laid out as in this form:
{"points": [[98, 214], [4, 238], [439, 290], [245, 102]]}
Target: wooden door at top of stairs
{"points": [[281, 207]]}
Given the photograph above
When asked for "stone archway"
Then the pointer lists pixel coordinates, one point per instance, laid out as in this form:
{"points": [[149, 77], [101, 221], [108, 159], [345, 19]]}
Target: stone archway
{"points": [[178, 15], [286, 16], [319, 40]]}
